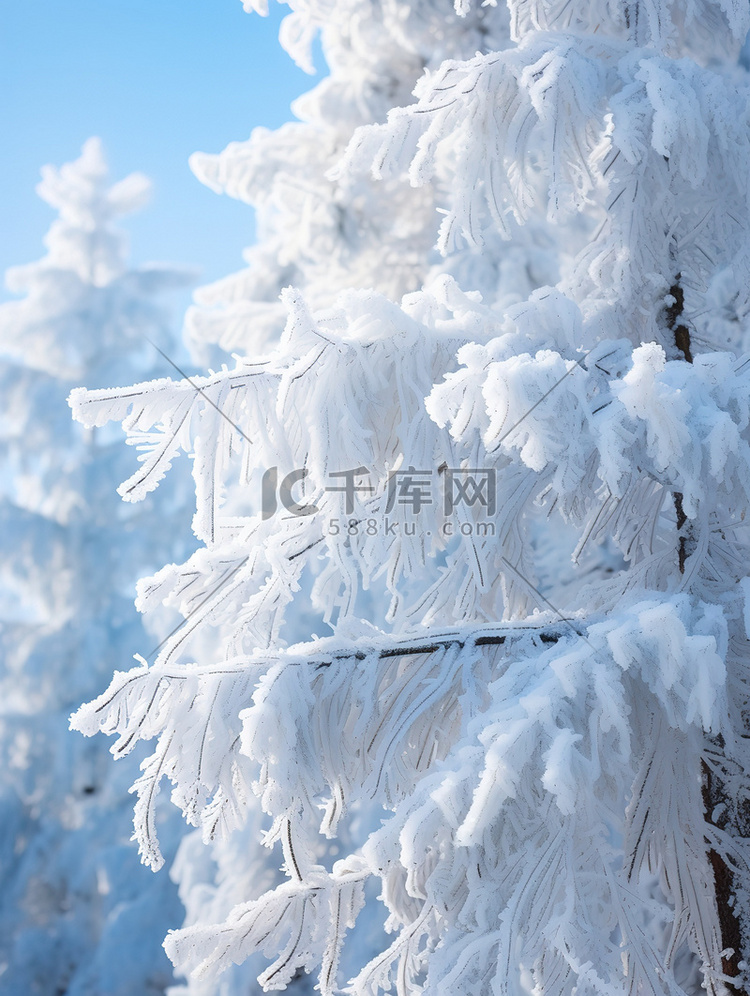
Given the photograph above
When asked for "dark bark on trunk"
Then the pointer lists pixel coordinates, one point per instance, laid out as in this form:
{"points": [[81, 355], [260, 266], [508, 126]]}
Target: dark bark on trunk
{"points": [[731, 935], [713, 790]]}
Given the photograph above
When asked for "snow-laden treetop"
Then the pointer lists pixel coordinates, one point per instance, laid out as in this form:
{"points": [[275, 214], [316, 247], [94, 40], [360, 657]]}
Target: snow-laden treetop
{"points": [[85, 276]]}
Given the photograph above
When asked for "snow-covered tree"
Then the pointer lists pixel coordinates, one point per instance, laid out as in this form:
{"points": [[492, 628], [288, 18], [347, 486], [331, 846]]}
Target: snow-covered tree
{"points": [[506, 479], [78, 913]]}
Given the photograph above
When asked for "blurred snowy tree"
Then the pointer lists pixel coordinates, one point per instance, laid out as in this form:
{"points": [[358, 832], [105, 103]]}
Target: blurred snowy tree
{"points": [[521, 473], [78, 914]]}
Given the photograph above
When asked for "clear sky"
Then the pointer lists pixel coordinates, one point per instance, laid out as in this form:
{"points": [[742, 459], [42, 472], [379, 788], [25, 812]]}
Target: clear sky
{"points": [[156, 80]]}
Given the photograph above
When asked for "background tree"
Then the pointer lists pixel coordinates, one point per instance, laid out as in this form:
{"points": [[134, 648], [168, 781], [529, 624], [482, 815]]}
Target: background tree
{"points": [[78, 914], [544, 687]]}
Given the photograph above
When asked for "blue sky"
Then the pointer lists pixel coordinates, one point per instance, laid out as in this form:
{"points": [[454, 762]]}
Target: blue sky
{"points": [[156, 80]]}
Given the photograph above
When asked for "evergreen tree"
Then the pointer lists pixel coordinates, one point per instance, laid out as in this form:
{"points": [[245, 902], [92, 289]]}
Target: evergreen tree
{"points": [[78, 914], [510, 481]]}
